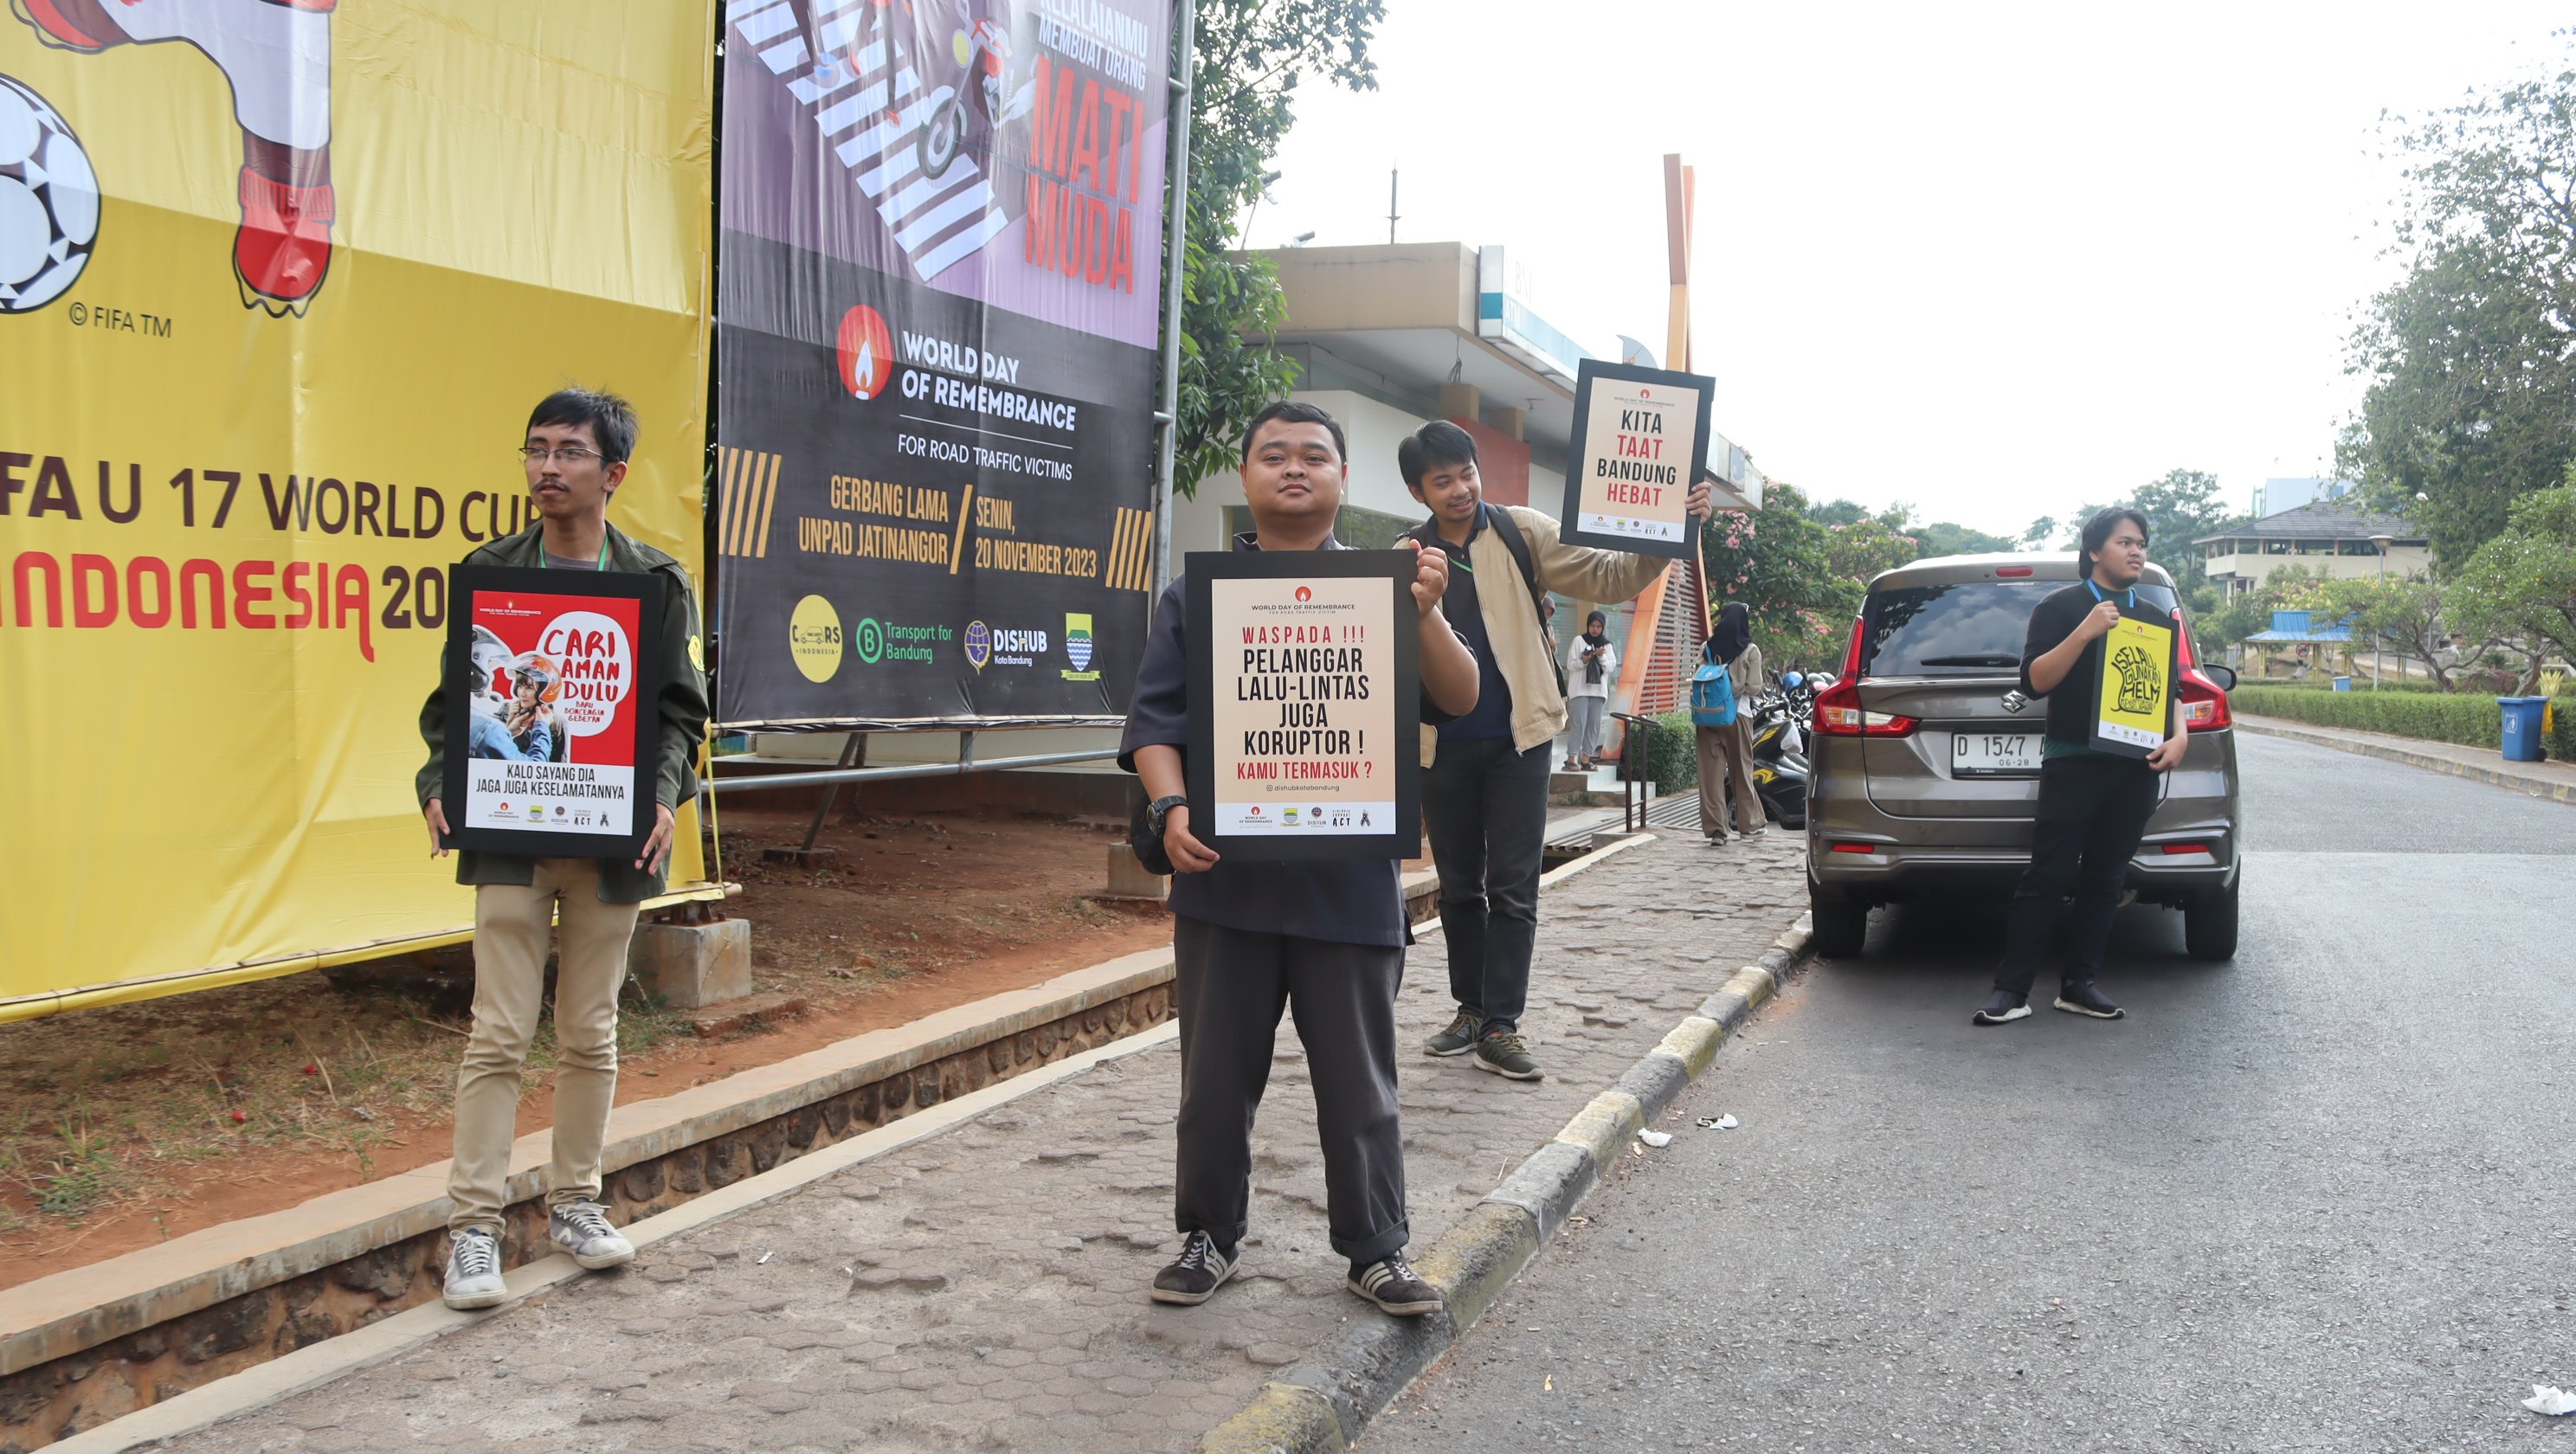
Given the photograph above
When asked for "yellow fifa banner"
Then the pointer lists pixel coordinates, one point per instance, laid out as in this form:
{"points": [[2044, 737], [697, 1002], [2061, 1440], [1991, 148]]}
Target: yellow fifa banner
{"points": [[2135, 713], [298, 271]]}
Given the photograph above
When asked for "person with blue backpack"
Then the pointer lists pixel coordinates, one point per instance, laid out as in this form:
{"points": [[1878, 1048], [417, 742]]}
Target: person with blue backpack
{"points": [[1722, 690]]}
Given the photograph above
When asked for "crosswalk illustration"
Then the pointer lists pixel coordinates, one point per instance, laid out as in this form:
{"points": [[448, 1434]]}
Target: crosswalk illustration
{"points": [[871, 107]]}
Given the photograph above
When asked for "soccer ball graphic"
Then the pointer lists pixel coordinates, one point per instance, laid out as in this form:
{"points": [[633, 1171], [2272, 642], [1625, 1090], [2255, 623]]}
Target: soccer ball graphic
{"points": [[48, 201]]}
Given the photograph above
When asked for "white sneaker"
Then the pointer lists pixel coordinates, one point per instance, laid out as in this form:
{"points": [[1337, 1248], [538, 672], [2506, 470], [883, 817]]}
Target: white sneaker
{"points": [[583, 1230], [473, 1271]]}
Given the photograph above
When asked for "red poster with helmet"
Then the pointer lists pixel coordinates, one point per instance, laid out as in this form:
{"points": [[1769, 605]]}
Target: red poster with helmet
{"points": [[550, 689]]}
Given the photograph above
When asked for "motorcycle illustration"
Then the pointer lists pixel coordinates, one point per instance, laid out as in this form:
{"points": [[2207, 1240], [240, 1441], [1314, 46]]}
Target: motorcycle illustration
{"points": [[983, 52]]}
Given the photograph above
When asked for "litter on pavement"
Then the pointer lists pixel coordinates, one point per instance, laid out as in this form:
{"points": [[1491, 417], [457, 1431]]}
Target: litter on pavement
{"points": [[1657, 1139], [2546, 1399], [1717, 1123]]}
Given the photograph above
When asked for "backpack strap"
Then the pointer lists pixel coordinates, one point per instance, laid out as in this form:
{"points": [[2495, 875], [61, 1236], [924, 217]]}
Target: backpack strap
{"points": [[1498, 519]]}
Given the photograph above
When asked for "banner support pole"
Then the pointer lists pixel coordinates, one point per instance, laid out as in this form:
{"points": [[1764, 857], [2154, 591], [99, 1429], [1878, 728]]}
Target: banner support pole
{"points": [[1176, 236]]}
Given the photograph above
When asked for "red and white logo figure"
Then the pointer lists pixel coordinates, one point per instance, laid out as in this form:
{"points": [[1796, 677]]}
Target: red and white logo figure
{"points": [[867, 352], [1305, 593], [277, 56]]}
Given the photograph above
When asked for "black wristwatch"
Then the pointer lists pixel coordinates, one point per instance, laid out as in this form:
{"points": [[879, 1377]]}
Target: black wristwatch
{"points": [[1161, 808]]}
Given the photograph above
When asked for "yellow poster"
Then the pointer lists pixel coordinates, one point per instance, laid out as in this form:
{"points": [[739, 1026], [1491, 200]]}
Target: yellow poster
{"points": [[279, 283], [2136, 710]]}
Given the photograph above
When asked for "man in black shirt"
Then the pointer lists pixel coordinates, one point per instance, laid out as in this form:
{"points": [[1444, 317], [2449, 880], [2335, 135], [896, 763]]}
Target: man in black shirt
{"points": [[1323, 941], [2093, 805]]}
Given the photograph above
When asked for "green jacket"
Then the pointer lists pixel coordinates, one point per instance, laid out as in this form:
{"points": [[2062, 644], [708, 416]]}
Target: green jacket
{"points": [[683, 709]]}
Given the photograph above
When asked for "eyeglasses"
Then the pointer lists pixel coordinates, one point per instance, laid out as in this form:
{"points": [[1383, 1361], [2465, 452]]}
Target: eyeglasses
{"points": [[568, 454]]}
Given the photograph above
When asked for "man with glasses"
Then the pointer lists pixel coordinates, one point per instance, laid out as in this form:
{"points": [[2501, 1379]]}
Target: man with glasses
{"points": [[2093, 805], [577, 447]]}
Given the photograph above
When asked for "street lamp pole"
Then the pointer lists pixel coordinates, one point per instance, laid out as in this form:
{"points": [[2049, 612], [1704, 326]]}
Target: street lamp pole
{"points": [[2383, 542]]}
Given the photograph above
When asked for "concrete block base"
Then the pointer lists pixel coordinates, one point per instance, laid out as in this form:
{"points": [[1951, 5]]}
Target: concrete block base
{"points": [[1128, 878], [690, 965]]}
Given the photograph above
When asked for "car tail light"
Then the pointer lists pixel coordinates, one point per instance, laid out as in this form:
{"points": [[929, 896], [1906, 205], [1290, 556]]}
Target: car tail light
{"points": [[2177, 849], [2204, 706], [1855, 848], [2012, 572], [1838, 709]]}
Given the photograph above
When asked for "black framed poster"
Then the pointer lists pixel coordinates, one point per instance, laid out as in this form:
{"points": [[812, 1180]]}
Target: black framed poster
{"points": [[1305, 693], [1640, 438], [552, 680]]}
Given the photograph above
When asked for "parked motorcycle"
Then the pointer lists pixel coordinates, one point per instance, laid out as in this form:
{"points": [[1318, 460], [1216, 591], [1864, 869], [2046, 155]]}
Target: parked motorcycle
{"points": [[1779, 767]]}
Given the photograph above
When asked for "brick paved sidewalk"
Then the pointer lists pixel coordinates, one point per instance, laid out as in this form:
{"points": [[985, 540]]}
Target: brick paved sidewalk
{"points": [[986, 1289]]}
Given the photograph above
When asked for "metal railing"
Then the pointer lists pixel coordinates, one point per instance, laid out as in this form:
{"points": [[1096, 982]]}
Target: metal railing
{"points": [[1636, 745]]}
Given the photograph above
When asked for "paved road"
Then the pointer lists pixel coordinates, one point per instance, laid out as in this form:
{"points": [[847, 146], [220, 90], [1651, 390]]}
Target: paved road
{"points": [[2318, 1199]]}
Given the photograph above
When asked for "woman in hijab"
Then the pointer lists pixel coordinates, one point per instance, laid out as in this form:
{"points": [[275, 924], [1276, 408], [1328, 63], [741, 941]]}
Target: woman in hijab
{"points": [[1590, 665], [1727, 752]]}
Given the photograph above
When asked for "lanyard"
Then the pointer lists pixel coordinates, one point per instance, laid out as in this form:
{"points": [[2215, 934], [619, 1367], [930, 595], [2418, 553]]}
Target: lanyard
{"points": [[2088, 585], [545, 557]]}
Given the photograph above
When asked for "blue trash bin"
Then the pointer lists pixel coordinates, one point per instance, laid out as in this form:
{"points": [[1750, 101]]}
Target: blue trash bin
{"points": [[2343, 684], [2522, 727]]}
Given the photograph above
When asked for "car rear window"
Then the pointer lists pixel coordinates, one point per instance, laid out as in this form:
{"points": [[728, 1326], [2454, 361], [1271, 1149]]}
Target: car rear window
{"points": [[1970, 628]]}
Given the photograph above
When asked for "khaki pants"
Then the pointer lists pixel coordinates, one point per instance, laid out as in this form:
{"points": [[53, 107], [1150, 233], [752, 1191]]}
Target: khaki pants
{"points": [[1724, 751], [510, 933]]}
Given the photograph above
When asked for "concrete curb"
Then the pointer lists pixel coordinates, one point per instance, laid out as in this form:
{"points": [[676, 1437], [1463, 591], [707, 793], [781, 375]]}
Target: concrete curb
{"points": [[1320, 1406], [2556, 792]]}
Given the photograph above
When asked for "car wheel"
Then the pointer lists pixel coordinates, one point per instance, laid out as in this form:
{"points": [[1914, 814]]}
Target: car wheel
{"points": [[2209, 924], [1840, 925]]}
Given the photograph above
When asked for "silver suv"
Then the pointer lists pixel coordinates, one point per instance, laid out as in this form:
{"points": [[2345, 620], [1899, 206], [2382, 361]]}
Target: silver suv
{"points": [[1926, 758]]}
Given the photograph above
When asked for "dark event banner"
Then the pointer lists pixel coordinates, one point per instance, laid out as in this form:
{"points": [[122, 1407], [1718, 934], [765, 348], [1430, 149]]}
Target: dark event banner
{"points": [[936, 318]]}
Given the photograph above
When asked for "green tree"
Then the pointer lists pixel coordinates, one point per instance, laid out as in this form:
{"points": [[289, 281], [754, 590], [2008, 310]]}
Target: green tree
{"points": [[2520, 587], [1943, 538], [1948, 539], [1251, 54], [2180, 507], [2402, 616], [2472, 396], [1802, 578]]}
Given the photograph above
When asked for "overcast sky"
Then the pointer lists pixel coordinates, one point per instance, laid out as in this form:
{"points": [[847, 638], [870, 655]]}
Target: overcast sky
{"points": [[1990, 260]]}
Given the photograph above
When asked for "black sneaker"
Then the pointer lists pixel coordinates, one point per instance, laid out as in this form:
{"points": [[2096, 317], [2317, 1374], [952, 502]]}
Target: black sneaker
{"points": [[2002, 1008], [1196, 1274], [1458, 1039], [1506, 1054], [1395, 1287], [2084, 999]]}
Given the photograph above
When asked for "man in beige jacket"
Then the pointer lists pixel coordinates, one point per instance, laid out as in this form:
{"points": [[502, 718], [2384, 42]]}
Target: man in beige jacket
{"points": [[1484, 784]]}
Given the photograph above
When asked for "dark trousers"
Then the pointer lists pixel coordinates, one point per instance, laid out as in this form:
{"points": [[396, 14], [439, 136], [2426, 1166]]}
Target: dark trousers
{"points": [[1230, 985], [2093, 807], [1486, 807]]}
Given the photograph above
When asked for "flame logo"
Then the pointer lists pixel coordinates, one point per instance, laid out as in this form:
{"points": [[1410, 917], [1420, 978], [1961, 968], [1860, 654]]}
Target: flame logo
{"points": [[866, 349], [1305, 593]]}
